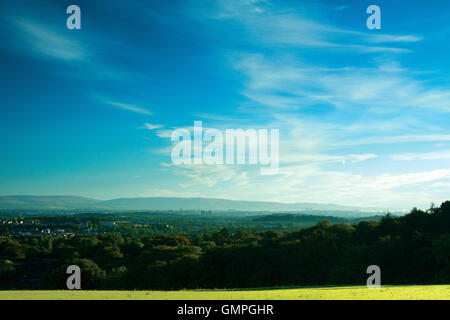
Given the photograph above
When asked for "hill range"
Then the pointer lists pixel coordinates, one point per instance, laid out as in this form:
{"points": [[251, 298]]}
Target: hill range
{"points": [[164, 203]]}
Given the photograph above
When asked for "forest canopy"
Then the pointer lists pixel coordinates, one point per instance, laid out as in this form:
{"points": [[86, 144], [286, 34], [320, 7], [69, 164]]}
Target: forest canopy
{"points": [[410, 249]]}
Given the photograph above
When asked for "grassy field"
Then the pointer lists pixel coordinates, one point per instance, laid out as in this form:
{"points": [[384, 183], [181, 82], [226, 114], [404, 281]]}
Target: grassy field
{"points": [[441, 292]]}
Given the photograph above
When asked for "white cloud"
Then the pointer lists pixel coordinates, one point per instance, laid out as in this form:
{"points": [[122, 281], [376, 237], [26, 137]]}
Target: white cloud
{"points": [[129, 107], [310, 183], [394, 38], [438, 155], [271, 23], [211, 175], [396, 139], [289, 84], [321, 159], [150, 126], [167, 134], [169, 193], [50, 43]]}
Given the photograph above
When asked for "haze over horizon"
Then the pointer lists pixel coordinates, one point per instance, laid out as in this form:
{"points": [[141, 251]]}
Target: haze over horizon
{"points": [[52, 200], [67, 202], [363, 114]]}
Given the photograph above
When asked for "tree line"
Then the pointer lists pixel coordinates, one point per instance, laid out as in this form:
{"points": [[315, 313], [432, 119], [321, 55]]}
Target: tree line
{"points": [[411, 249]]}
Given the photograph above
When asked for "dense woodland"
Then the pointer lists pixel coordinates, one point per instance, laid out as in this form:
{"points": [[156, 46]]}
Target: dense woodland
{"points": [[411, 249]]}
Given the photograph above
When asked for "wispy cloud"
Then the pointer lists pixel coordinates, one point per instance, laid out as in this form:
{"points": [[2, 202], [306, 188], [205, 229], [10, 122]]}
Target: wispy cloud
{"points": [[396, 139], [129, 107], [437, 155], [339, 8], [394, 38], [150, 126], [271, 23], [293, 85], [48, 43], [156, 192], [210, 175], [75, 56], [167, 134]]}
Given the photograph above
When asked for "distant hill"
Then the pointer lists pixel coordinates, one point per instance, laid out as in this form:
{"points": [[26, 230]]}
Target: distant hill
{"points": [[47, 202], [163, 203]]}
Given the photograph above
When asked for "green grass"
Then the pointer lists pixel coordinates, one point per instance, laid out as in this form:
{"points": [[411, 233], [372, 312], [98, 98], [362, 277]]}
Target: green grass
{"points": [[441, 292]]}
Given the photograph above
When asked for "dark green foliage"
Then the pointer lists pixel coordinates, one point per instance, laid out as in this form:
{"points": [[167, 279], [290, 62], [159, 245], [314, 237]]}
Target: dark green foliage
{"points": [[92, 276], [412, 249]]}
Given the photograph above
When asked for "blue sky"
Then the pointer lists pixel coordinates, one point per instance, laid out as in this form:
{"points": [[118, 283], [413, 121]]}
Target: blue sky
{"points": [[363, 114]]}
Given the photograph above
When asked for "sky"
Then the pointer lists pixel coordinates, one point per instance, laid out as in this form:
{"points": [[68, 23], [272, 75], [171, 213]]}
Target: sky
{"points": [[363, 114]]}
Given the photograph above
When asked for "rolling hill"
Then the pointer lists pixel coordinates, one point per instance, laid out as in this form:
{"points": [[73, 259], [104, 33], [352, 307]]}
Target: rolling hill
{"points": [[47, 202], [163, 203]]}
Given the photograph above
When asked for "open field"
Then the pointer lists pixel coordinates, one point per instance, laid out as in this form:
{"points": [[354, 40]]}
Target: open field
{"points": [[440, 292]]}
